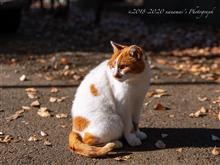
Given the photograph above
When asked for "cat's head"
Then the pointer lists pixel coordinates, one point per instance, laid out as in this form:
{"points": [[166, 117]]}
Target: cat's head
{"points": [[126, 61]]}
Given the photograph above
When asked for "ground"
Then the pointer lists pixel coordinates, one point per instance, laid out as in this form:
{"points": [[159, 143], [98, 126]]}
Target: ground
{"points": [[185, 79]]}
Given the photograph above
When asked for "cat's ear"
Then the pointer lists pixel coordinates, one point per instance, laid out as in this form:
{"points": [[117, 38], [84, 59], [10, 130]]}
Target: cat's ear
{"points": [[116, 47], [136, 52]]}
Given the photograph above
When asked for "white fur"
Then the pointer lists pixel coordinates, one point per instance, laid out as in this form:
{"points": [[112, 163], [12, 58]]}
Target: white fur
{"points": [[118, 105]]}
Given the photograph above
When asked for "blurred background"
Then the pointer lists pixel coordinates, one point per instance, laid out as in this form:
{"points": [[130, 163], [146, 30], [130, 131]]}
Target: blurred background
{"points": [[50, 41]]}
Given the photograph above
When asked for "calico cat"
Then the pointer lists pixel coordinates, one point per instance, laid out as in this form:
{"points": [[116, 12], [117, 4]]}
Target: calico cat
{"points": [[108, 103]]}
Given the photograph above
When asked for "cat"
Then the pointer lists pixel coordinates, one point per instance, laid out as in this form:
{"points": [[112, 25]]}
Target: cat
{"points": [[108, 103]]}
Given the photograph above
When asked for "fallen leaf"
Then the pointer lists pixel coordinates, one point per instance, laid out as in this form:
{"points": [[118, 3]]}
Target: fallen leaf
{"points": [[122, 158], [32, 96], [32, 90], [54, 90], [6, 139], [26, 108], [47, 143], [62, 98], [33, 138], [202, 98], [42, 133], [53, 99], [160, 107], [61, 115], [35, 103], [43, 112], [76, 77], [179, 150], [15, 116], [200, 113], [164, 135], [216, 151], [215, 138], [160, 144], [219, 115], [23, 78]]}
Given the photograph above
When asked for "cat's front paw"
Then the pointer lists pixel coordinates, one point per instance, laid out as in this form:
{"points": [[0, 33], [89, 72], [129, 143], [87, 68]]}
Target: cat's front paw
{"points": [[141, 135], [133, 140]]}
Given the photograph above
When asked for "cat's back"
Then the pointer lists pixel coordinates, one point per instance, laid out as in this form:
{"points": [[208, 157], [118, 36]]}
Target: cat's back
{"points": [[94, 91]]}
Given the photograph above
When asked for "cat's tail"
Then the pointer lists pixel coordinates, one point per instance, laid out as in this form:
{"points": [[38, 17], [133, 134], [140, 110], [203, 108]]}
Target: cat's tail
{"points": [[76, 144]]}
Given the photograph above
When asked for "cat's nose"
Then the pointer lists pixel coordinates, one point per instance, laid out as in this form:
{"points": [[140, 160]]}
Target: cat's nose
{"points": [[117, 75]]}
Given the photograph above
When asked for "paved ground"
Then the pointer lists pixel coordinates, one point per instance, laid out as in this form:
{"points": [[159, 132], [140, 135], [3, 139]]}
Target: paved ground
{"points": [[54, 52], [193, 135]]}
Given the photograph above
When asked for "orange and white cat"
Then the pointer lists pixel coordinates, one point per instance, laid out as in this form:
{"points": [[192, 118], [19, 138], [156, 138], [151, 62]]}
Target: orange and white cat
{"points": [[108, 103]]}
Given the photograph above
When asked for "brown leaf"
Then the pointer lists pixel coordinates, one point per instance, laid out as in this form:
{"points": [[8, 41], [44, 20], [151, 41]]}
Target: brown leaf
{"points": [[35, 103], [160, 107], [122, 158], [47, 143], [54, 90], [43, 112], [6, 139], [179, 150], [61, 115], [33, 138], [216, 151], [53, 99], [200, 113], [15, 116], [32, 90]]}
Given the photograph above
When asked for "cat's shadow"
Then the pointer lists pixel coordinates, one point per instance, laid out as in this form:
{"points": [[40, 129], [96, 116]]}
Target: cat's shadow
{"points": [[177, 138]]}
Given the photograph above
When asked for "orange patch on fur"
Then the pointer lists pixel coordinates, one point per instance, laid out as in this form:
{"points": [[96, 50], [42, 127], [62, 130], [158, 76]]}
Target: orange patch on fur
{"points": [[90, 139], [94, 90], [80, 123]]}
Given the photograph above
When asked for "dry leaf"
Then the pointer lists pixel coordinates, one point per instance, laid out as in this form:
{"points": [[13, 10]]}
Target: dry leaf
{"points": [[157, 93], [32, 90], [6, 139], [32, 96], [15, 116], [47, 143], [216, 151], [53, 99], [61, 115], [54, 90], [164, 135], [219, 115], [179, 150], [26, 108], [76, 77], [42, 133], [62, 98], [160, 107], [43, 112], [122, 158], [202, 98], [23, 78], [201, 112], [215, 138], [35, 103], [33, 138]]}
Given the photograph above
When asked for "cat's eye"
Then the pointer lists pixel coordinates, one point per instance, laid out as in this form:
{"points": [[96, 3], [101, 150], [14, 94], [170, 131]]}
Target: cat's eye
{"points": [[122, 66]]}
